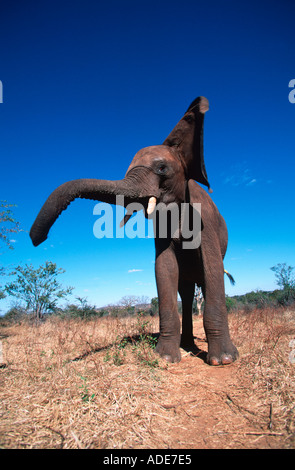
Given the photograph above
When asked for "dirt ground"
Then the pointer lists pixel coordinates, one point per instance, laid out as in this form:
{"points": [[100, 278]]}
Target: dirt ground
{"points": [[96, 385]]}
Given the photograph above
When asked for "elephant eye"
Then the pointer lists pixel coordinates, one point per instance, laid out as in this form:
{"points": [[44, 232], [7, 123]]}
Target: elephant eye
{"points": [[161, 169]]}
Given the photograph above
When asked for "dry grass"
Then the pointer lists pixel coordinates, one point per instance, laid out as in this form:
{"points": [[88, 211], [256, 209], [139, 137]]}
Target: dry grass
{"points": [[75, 384], [266, 387]]}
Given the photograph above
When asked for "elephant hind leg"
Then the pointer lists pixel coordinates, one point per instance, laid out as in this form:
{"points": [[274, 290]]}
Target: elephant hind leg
{"points": [[186, 291]]}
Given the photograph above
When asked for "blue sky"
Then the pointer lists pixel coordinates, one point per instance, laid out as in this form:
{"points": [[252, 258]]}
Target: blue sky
{"points": [[86, 84]]}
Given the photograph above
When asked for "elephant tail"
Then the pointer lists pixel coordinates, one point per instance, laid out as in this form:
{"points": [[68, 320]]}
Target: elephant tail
{"points": [[232, 281]]}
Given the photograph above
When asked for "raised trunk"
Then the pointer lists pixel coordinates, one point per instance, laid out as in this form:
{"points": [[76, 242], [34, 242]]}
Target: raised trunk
{"points": [[97, 190]]}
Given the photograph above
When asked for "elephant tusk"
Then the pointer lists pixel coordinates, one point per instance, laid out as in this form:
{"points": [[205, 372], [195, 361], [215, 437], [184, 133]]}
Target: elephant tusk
{"points": [[151, 205]]}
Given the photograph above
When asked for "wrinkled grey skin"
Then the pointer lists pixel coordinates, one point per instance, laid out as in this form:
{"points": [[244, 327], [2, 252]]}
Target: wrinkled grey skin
{"points": [[168, 173]]}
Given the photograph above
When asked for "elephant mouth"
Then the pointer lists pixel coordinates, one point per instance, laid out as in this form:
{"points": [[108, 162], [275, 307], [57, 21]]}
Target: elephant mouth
{"points": [[148, 206]]}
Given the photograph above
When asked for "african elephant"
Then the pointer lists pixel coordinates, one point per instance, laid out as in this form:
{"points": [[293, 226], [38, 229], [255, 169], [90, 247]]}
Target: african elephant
{"points": [[166, 173]]}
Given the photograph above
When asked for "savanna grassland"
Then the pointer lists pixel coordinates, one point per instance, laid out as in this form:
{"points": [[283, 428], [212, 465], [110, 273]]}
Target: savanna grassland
{"points": [[98, 384]]}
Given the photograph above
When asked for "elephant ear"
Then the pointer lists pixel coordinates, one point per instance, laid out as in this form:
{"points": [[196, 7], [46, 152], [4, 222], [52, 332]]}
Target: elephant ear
{"points": [[187, 139]]}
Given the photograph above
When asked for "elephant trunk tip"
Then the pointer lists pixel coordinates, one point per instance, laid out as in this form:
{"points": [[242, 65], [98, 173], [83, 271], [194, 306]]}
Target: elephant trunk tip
{"points": [[37, 237]]}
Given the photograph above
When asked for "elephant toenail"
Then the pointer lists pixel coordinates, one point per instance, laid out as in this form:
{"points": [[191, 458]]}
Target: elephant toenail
{"points": [[167, 358], [214, 361], [227, 360]]}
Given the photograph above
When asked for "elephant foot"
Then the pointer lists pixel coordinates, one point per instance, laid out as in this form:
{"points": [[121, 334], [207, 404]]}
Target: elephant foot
{"points": [[222, 355], [168, 350]]}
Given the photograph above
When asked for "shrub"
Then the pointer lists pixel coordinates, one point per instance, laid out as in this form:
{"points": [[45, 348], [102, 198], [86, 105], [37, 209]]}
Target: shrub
{"points": [[15, 314], [82, 310], [231, 303]]}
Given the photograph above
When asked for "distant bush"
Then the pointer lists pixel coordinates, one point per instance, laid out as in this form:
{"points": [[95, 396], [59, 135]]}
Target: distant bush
{"points": [[82, 310], [230, 303], [261, 299], [14, 314], [285, 279], [284, 297], [258, 299], [130, 306], [154, 310], [103, 312], [116, 311]]}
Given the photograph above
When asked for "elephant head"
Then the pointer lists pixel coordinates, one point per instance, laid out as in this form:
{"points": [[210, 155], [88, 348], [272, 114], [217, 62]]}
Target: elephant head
{"points": [[156, 174]]}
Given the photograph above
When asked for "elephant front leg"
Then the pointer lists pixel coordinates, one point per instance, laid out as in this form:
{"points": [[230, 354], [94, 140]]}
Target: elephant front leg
{"points": [[221, 350], [167, 285]]}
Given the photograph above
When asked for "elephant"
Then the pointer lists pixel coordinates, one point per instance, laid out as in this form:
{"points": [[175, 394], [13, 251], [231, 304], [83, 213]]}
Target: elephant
{"points": [[171, 172]]}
